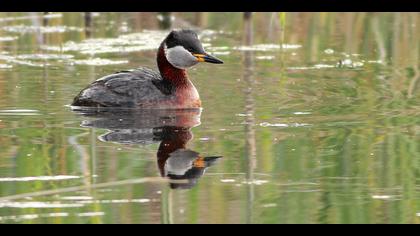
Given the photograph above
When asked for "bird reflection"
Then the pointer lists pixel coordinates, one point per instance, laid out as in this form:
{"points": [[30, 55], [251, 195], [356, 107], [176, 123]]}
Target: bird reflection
{"points": [[170, 128]]}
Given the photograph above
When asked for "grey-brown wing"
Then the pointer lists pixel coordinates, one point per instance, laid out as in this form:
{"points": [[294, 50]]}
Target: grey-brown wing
{"points": [[125, 88]]}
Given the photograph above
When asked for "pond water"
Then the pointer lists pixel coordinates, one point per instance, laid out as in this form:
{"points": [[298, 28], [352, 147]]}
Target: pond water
{"points": [[314, 122]]}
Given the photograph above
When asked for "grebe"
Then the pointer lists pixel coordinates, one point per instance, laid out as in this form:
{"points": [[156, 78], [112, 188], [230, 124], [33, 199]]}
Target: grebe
{"points": [[145, 88]]}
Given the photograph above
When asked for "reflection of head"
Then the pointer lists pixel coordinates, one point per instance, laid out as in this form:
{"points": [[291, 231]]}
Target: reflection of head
{"points": [[172, 128], [176, 161], [187, 165]]}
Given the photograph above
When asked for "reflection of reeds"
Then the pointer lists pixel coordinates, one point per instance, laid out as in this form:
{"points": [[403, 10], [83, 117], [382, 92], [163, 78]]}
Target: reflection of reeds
{"points": [[415, 41], [282, 20], [164, 20], [378, 38], [166, 206], [249, 111], [201, 19], [88, 24]]}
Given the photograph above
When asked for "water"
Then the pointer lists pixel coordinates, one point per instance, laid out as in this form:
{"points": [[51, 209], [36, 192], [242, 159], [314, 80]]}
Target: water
{"points": [[323, 129]]}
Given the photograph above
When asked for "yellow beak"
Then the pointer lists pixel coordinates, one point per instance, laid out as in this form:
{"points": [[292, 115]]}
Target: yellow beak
{"points": [[207, 58]]}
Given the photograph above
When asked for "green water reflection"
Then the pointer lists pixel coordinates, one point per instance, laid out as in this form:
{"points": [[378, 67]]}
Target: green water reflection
{"points": [[324, 129]]}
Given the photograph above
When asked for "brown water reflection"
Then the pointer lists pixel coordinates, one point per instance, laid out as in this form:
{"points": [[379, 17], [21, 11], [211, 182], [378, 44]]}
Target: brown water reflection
{"points": [[170, 128]]}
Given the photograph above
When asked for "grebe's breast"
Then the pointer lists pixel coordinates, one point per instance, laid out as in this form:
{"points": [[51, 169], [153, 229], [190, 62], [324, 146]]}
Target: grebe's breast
{"points": [[187, 97]]}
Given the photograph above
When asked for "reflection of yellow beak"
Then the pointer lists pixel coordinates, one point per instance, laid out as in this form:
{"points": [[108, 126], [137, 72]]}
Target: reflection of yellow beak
{"points": [[199, 162]]}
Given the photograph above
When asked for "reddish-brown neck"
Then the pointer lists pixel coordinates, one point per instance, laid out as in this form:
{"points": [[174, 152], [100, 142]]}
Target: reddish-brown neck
{"points": [[177, 77]]}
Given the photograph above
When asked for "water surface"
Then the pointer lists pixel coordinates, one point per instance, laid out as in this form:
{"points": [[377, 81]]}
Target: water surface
{"points": [[315, 123]]}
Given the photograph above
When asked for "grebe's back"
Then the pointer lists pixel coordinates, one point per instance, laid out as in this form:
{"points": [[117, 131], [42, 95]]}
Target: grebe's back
{"points": [[131, 88]]}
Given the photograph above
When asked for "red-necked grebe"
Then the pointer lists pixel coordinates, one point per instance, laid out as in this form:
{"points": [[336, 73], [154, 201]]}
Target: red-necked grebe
{"points": [[145, 88]]}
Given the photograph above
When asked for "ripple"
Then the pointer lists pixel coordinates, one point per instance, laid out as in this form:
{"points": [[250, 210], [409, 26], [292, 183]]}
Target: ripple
{"points": [[8, 39], [115, 201], [314, 67], [146, 40], [266, 124], [350, 63], [77, 198], [33, 216], [265, 57], [227, 180], [45, 56], [328, 51], [39, 205], [267, 47], [302, 113], [49, 215], [256, 182], [90, 214], [12, 59], [135, 42], [19, 112], [382, 197], [375, 61], [220, 53], [5, 66], [269, 205], [47, 16], [38, 178], [40, 29], [99, 62]]}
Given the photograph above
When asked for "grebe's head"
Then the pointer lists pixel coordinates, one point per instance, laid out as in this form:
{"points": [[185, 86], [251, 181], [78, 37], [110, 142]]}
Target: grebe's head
{"points": [[183, 49]]}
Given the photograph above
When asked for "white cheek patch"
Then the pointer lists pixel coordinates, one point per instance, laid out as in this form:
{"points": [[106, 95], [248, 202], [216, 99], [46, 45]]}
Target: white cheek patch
{"points": [[180, 58]]}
